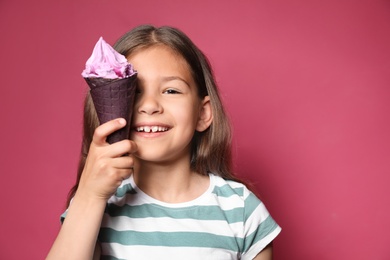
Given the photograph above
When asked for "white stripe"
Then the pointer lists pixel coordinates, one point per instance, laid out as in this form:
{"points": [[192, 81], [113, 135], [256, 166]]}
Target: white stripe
{"points": [[215, 181], [246, 193], [168, 253], [224, 203], [229, 203]]}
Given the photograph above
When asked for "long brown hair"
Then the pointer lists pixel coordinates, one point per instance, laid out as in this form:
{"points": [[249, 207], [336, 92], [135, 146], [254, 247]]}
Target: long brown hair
{"points": [[211, 149]]}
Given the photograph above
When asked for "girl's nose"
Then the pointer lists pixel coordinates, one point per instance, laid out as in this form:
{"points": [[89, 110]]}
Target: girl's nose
{"points": [[148, 103]]}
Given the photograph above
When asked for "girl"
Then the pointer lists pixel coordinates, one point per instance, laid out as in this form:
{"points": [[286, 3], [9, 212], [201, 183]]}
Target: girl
{"points": [[173, 196]]}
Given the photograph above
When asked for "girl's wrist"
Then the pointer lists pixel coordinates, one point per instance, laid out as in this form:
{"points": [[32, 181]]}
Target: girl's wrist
{"points": [[88, 199]]}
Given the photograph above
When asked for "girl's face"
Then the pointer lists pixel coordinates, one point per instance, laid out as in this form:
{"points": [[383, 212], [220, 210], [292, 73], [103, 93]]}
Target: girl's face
{"points": [[167, 109]]}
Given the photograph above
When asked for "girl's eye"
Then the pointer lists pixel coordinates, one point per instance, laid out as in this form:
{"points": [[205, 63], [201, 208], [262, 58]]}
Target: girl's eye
{"points": [[171, 91]]}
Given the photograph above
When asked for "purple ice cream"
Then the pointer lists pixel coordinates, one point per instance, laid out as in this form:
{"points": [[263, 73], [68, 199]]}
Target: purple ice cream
{"points": [[105, 62]]}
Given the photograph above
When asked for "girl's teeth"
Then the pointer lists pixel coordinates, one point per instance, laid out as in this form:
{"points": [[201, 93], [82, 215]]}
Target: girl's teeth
{"points": [[153, 129]]}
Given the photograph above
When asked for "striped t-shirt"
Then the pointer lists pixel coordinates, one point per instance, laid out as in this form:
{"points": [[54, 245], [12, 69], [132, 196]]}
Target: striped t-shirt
{"points": [[226, 222]]}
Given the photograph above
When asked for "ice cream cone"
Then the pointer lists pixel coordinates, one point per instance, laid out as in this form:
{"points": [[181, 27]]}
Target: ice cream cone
{"points": [[114, 98]]}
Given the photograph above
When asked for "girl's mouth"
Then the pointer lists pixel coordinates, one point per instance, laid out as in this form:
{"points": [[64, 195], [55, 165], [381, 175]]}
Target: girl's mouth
{"points": [[151, 129]]}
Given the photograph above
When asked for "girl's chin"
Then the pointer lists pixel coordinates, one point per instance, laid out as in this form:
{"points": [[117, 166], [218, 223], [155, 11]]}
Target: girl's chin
{"points": [[148, 157]]}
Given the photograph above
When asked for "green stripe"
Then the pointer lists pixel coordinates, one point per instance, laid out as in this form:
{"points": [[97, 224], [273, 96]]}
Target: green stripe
{"points": [[169, 239], [265, 228], [227, 191], [251, 203], [125, 189], [193, 212]]}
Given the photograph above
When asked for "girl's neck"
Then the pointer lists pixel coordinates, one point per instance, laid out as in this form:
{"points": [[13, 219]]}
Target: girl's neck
{"points": [[171, 184]]}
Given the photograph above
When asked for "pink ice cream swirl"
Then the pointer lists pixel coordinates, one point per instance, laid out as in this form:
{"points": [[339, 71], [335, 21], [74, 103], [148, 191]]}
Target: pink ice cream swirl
{"points": [[105, 62]]}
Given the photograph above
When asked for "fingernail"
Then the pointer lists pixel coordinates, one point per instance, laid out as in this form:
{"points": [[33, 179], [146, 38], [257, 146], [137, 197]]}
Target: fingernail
{"points": [[122, 121]]}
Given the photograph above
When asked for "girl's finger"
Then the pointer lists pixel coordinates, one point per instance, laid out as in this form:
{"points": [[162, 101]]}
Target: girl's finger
{"points": [[120, 175], [121, 148], [104, 130], [125, 174], [124, 162]]}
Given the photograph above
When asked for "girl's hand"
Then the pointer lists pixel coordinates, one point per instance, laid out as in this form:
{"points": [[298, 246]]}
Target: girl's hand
{"points": [[106, 165]]}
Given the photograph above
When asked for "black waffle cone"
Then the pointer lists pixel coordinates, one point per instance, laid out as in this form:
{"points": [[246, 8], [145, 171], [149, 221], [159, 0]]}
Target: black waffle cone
{"points": [[114, 98]]}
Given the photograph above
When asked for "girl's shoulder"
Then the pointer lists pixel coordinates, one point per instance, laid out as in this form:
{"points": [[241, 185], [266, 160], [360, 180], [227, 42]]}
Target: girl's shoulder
{"points": [[230, 189]]}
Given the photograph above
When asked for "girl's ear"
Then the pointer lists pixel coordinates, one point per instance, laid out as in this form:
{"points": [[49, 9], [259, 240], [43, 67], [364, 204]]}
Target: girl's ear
{"points": [[205, 115]]}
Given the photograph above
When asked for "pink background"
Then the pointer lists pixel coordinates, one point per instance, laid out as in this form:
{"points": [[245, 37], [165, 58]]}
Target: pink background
{"points": [[307, 85]]}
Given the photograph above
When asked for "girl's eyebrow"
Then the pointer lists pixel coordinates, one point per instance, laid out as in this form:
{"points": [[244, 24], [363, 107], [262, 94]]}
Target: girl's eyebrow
{"points": [[171, 78]]}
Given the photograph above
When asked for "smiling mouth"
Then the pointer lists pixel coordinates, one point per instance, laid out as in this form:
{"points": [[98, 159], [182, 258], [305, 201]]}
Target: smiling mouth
{"points": [[151, 129]]}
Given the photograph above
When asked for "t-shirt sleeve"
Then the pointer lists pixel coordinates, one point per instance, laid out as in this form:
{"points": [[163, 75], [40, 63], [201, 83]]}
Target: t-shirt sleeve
{"points": [[259, 227]]}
